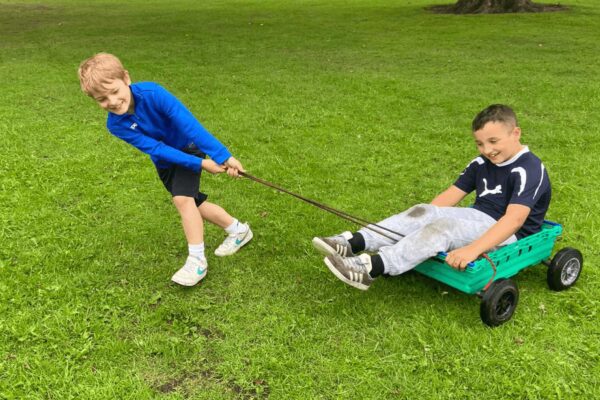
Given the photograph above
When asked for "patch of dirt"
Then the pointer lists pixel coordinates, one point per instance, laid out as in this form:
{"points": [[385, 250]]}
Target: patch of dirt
{"points": [[535, 8], [170, 386]]}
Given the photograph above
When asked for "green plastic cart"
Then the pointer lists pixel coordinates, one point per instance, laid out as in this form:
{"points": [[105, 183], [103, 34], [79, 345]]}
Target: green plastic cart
{"points": [[499, 294]]}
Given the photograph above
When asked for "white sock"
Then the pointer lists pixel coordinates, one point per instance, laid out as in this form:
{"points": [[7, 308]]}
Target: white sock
{"points": [[196, 250], [235, 227]]}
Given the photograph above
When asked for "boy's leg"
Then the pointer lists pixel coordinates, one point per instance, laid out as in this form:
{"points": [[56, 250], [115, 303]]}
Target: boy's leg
{"points": [[183, 184], [191, 219], [405, 223], [215, 214], [238, 233], [196, 266], [347, 244], [454, 228]]}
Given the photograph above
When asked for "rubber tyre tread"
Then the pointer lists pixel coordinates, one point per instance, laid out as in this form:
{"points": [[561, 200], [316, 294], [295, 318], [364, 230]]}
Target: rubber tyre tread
{"points": [[502, 289], [558, 263]]}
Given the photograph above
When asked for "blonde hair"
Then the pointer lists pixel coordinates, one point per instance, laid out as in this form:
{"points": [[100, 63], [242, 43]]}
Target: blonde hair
{"points": [[98, 69]]}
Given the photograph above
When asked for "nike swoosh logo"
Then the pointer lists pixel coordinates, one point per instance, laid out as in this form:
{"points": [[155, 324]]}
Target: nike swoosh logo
{"points": [[239, 241], [200, 271]]}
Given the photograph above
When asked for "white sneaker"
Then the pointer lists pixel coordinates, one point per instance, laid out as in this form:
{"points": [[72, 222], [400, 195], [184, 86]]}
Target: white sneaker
{"points": [[234, 242], [192, 272]]}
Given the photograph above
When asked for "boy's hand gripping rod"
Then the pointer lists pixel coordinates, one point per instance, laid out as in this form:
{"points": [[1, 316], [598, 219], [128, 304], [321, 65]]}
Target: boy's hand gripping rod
{"points": [[359, 221]]}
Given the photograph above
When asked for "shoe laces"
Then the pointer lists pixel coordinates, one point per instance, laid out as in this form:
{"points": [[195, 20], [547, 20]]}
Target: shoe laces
{"points": [[339, 239], [192, 263], [229, 241], [356, 264]]}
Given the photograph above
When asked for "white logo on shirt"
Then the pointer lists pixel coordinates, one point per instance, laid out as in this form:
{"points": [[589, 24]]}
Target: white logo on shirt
{"points": [[523, 175], [133, 126], [496, 190], [478, 160]]}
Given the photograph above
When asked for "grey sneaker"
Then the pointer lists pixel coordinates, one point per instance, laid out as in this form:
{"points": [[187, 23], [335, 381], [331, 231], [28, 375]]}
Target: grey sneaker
{"points": [[352, 270], [334, 244]]}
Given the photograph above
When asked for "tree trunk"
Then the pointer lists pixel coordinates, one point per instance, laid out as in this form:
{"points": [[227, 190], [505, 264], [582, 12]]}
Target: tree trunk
{"points": [[494, 6]]}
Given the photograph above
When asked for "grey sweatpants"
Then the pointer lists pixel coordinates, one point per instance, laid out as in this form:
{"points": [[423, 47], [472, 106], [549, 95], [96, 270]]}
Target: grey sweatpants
{"points": [[428, 230]]}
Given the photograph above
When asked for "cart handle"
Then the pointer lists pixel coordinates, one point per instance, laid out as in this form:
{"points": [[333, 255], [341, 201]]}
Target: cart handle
{"points": [[443, 254]]}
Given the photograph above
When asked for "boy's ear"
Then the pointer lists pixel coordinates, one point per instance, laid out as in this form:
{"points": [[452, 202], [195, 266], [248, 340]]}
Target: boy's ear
{"points": [[127, 79], [517, 132]]}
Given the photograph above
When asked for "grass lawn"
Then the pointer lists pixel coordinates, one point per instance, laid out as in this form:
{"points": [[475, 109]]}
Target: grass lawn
{"points": [[363, 105]]}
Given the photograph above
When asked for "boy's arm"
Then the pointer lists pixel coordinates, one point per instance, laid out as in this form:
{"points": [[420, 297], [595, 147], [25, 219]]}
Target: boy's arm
{"points": [[449, 197], [511, 222], [186, 124], [156, 148], [212, 167]]}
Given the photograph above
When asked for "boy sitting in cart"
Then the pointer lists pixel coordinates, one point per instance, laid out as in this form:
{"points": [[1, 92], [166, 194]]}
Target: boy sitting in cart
{"points": [[512, 196]]}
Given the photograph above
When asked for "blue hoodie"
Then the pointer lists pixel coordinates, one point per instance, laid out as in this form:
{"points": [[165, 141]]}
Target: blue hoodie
{"points": [[161, 127]]}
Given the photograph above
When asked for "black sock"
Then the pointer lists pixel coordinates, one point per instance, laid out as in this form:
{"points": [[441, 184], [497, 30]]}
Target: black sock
{"points": [[376, 266], [357, 242]]}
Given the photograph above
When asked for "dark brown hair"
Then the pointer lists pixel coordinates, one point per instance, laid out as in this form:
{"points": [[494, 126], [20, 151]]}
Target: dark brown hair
{"points": [[495, 113]]}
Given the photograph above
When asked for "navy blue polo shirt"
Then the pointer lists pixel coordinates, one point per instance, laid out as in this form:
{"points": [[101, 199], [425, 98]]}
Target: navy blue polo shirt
{"points": [[162, 127], [520, 180]]}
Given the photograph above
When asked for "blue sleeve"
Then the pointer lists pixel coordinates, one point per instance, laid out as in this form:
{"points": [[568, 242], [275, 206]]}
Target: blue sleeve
{"points": [[528, 184], [467, 179], [157, 149], [187, 125]]}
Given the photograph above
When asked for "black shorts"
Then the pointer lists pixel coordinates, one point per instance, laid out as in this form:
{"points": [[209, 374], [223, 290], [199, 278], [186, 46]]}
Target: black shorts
{"points": [[180, 181]]}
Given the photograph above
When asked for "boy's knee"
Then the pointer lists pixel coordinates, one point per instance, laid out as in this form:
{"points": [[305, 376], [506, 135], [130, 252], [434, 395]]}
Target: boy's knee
{"points": [[419, 210], [183, 202], [436, 229], [444, 224]]}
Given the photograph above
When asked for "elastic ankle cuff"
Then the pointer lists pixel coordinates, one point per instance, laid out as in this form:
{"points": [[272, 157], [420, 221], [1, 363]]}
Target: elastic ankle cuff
{"points": [[357, 242], [377, 267]]}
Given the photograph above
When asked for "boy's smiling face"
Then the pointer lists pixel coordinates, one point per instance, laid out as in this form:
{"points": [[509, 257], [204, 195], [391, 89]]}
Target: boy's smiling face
{"points": [[498, 141], [114, 96]]}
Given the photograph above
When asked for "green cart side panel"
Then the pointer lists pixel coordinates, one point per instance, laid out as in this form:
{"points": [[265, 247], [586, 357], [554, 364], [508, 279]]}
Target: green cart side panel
{"points": [[509, 261]]}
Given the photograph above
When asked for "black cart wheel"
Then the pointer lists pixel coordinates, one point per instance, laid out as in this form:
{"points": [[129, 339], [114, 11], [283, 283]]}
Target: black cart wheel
{"points": [[499, 302], [565, 269]]}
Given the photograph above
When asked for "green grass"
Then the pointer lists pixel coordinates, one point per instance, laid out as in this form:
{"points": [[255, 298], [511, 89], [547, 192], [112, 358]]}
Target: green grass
{"points": [[364, 105]]}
